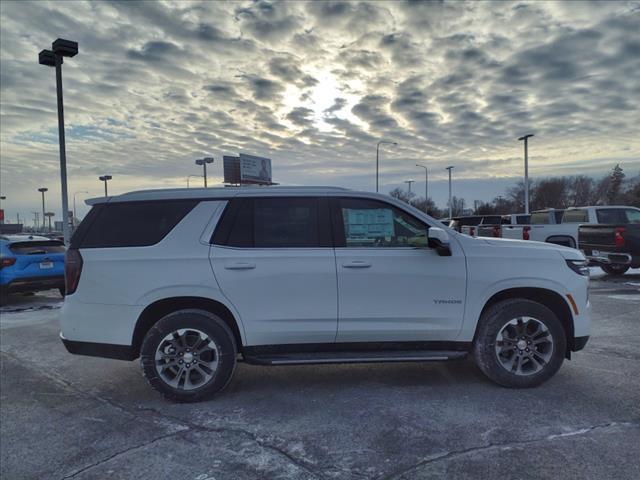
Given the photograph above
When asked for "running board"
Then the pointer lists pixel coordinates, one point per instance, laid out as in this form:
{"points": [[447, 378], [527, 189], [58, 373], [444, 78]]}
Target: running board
{"points": [[306, 358]]}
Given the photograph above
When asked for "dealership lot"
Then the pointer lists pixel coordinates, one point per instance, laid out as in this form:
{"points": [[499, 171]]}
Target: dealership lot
{"points": [[67, 416]]}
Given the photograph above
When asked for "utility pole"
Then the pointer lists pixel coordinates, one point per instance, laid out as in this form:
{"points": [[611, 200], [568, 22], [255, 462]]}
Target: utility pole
{"points": [[526, 170], [105, 179], [42, 190], [450, 205]]}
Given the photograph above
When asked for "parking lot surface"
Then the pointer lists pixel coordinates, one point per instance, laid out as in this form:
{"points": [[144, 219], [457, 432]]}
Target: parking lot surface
{"points": [[65, 416]]}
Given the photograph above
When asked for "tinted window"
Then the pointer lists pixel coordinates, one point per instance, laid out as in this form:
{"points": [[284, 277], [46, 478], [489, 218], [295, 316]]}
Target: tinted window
{"points": [[369, 223], [618, 215], [558, 214], [523, 219], [540, 218], [132, 224], [37, 247], [575, 216], [491, 220], [286, 222]]}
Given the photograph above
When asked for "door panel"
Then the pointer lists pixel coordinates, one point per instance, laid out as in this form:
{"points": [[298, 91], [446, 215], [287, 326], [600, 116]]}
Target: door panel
{"points": [[272, 258], [387, 290], [283, 295]]}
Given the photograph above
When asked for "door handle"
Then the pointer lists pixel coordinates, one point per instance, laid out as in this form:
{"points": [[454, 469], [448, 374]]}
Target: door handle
{"points": [[356, 264], [240, 266]]}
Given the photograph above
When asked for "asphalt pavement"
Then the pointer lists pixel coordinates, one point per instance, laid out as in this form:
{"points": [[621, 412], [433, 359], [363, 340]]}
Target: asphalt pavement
{"points": [[64, 416]]}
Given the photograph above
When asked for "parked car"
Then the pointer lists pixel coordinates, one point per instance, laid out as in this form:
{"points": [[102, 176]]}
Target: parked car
{"points": [[30, 263], [477, 225], [192, 281], [615, 245], [556, 225]]}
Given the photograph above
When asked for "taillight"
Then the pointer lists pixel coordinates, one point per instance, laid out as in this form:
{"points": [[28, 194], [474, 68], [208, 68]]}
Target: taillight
{"points": [[7, 261], [525, 233], [72, 270], [472, 231], [618, 237], [496, 232]]}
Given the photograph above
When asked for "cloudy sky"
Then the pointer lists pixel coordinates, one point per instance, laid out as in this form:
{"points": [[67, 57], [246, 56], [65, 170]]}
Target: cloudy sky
{"points": [[314, 86]]}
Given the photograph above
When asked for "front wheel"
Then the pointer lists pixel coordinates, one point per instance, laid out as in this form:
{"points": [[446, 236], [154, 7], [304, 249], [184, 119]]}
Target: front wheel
{"points": [[520, 343], [614, 269], [189, 355]]}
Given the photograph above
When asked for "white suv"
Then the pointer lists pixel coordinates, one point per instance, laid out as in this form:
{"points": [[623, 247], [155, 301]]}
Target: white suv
{"points": [[192, 281]]}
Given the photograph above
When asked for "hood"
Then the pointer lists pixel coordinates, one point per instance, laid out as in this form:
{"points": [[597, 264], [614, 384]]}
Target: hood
{"points": [[567, 253]]}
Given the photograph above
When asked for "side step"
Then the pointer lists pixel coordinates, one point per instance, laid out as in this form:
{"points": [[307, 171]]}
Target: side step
{"points": [[306, 358]]}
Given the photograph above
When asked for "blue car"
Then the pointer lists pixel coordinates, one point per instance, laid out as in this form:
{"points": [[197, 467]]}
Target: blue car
{"points": [[29, 263]]}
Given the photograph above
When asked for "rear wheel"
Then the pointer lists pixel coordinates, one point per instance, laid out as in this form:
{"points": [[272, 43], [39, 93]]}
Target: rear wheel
{"points": [[189, 355], [520, 343], [614, 269]]}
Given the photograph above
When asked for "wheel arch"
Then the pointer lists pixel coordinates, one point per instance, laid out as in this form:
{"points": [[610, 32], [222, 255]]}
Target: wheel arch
{"points": [[550, 299], [563, 240], [158, 309]]}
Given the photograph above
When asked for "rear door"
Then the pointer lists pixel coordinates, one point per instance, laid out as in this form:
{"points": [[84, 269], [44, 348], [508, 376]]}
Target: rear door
{"points": [[388, 289], [274, 261]]}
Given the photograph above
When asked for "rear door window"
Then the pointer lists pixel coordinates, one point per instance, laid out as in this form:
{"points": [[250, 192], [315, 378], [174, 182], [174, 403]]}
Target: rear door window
{"points": [[540, 218], [131, 224], [279, 222]]}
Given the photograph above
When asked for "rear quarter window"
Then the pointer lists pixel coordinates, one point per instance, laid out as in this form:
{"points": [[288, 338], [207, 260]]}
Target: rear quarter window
{"points": [[618, 215], [540, 218], [130, 224]]}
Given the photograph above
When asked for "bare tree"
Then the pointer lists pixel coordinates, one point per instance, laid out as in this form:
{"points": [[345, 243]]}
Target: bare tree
{"points": [[402, 195]]}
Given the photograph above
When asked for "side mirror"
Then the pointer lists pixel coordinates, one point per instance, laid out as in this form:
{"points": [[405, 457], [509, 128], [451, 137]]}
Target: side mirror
{"points": [[439, 239]]}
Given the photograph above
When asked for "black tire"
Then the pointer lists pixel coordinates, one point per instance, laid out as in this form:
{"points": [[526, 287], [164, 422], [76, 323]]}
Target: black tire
{"points": [[491, 324], [216, 330], [4, 296], [62, 292], [614, 269]]}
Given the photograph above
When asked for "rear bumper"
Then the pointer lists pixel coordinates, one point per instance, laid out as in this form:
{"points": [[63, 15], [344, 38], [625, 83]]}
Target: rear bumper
{"points": [[608, 258], [33, 284], [104, 350]]}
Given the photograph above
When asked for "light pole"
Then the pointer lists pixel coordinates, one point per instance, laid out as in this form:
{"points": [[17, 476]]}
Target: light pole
{"points": [[190, 176], [105, 179], [526, 170], [409, 182], [381, 142], [426, 185], [53, 58], [74, 206], [450, 167], [203, 162], [42, 190]]}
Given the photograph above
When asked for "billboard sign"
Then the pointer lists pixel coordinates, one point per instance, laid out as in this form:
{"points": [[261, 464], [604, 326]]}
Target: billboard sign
{"points": [[255, 169]]}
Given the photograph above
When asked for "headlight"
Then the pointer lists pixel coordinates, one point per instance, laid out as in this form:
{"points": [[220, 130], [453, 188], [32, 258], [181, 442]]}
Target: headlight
{"points": [[581, 267]]}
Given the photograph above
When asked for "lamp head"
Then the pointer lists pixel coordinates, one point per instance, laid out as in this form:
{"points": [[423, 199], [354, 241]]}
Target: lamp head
{"points": [[43, 189], [47, 57], [104, 178], [65, 48], [524, 137]]}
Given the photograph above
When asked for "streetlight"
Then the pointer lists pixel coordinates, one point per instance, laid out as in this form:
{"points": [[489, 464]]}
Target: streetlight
{"points": [[426, 185], [105, 179], [450, 167], [53, 58], [526, 170], [190, 176], [203, 162], [74, 206], [409, 182], [381, 142], [42, 190]]}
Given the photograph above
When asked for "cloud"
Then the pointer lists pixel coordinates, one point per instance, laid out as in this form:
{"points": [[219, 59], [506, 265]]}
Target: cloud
{"points": [[314, 85]]}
